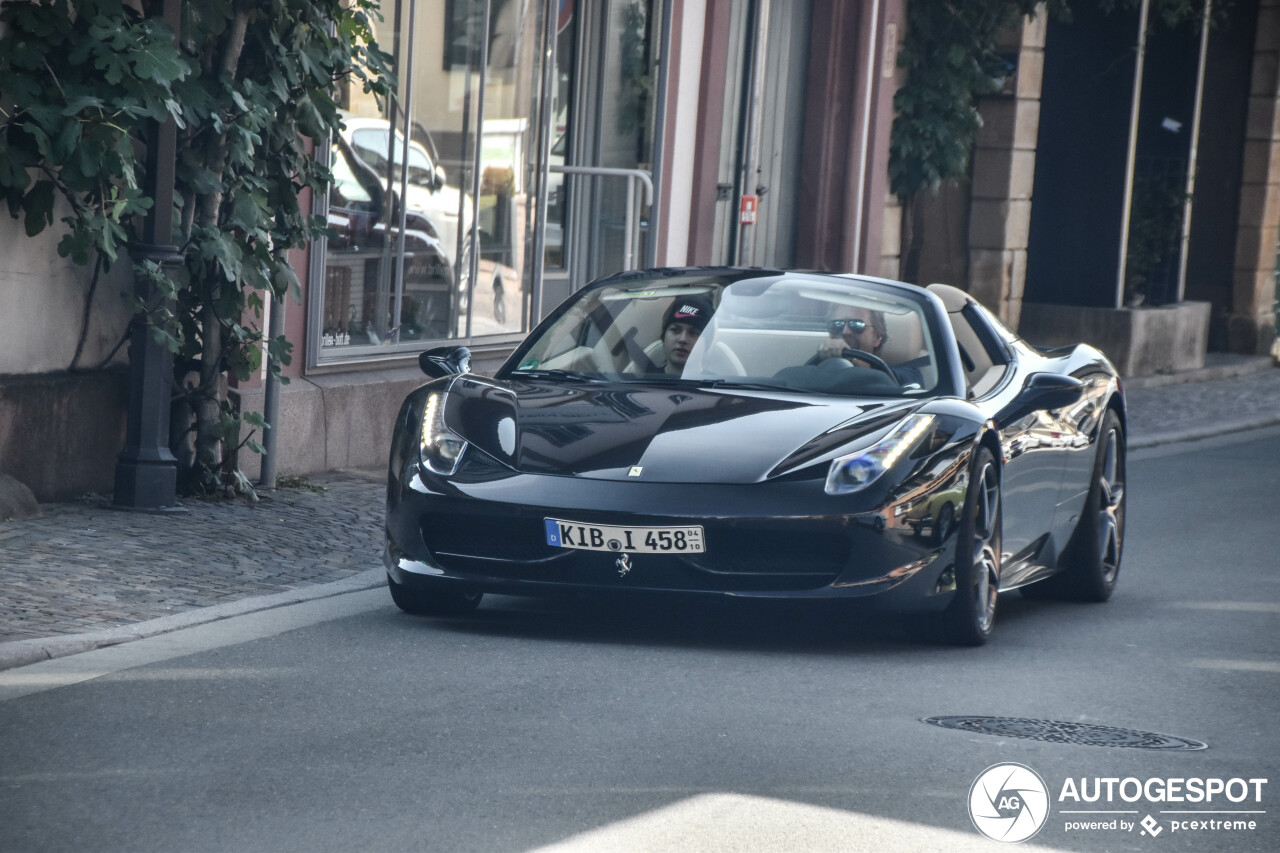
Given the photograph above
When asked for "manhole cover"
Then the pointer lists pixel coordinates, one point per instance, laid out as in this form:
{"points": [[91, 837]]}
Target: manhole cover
{"points": [[1056, 731]]}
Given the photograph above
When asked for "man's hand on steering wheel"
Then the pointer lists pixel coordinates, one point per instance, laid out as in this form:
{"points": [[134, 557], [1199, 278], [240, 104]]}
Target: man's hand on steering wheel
{"points": [[825, 351]]}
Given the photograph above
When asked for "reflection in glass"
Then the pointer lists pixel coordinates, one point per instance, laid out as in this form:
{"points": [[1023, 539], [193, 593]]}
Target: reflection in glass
{"points": [[408, 204]]}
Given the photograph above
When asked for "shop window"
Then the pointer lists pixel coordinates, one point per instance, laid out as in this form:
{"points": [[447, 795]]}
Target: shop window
{"points": [[431, 210]]}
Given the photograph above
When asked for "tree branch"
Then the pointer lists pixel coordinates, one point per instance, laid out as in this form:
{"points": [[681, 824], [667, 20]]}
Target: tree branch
{"points": [[84, 314]]}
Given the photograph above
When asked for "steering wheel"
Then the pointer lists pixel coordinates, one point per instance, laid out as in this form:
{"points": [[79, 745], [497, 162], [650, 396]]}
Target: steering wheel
{"points": [[876, 362]]}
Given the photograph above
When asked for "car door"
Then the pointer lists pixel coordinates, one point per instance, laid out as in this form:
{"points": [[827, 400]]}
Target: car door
{"points": [[1032, 449]]}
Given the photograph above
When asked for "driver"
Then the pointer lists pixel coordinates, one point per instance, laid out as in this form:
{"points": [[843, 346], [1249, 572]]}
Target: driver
{"points": [[682, 325], [863, 329]]}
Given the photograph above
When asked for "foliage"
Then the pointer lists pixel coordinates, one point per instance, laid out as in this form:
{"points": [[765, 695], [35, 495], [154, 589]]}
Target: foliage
{"points": [[951, 54], [251, 87], [636, 85], [1155, 233], [299, 483]]}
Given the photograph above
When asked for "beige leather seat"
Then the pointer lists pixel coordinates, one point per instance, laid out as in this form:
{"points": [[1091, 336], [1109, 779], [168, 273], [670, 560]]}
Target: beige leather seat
{"points": [[905, 342], [654, 353], [981, 373]]}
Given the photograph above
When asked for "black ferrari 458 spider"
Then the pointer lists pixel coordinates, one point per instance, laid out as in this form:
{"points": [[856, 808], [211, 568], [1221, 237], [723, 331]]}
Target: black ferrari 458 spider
{"points": [[751, 432]]}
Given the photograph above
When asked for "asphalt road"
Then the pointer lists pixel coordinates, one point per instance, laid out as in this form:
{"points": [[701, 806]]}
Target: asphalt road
{"points": [[342, 724]]}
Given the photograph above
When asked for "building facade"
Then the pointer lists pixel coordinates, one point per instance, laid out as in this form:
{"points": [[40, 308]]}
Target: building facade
{"points": [[532, 146]]}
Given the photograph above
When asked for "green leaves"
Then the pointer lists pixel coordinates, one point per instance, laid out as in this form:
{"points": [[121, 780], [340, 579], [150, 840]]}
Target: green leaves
{"points": [[88, 78], [79, 101], [950, 52], [38, 204]]}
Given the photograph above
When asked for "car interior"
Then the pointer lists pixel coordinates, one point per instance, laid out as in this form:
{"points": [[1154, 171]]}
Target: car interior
{"points": [[983, 356], [620, 335]]}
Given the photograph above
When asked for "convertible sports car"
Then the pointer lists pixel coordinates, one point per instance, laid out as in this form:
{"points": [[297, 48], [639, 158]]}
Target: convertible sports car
{"points": [[752, 432]]}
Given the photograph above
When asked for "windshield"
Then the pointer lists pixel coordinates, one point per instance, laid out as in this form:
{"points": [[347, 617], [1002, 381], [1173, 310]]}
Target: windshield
{"points": [[789, 331]]}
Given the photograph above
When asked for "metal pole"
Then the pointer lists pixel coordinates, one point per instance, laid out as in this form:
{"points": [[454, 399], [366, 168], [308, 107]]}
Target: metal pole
{"points": [[271, 403], [543, 162], [754, 72], [397, 298], [146, 474], [1132, 156], [659, 133], [1193, 156], [473, 260], [628, 252], [864, 156]]}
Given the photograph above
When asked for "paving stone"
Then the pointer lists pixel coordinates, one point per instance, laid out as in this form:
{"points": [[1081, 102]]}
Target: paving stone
{"points": [[85, 565]]}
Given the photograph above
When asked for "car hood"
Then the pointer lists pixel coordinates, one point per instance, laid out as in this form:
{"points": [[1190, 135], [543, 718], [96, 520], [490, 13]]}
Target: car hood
{"points": [[658, 434]]}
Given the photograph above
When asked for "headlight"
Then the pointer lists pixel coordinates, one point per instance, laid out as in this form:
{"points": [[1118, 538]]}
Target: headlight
{"points": [[441, 449], [859, 470]]}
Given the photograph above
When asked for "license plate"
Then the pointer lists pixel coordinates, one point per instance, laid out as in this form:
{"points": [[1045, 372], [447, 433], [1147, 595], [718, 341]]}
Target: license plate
{"points": [[637, 540]]}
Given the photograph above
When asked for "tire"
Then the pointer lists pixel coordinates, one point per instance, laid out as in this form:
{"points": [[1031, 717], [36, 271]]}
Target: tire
{"points": [[942, 527], [499, 299], [1091, 561], [436, 600], [967, 621]]}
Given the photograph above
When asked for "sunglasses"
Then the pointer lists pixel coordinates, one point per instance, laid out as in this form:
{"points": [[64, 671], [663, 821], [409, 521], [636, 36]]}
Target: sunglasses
{"points": [[836, 327]]}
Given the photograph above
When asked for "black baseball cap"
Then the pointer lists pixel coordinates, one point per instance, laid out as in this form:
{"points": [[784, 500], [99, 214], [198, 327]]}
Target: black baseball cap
{"points": [[696, 311]]}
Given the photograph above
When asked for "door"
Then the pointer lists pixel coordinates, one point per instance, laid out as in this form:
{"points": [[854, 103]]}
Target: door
{"points": [[604, 114], [762, 135]]}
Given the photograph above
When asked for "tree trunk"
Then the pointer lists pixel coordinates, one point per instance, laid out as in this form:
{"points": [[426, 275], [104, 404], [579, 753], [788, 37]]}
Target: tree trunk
{"points": [[912, 232], [208, 410]]}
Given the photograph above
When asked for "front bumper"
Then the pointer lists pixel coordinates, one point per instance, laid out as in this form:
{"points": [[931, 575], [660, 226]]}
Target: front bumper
{"points": [[770, 540]]}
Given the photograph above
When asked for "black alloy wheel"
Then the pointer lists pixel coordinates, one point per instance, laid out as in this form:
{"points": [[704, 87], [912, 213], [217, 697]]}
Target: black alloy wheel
{"points": [[435, 600], [967, 621], [1091, 560]]}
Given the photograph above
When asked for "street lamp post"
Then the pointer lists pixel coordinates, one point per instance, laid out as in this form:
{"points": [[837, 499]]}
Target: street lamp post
{"points": [[146, 470]]}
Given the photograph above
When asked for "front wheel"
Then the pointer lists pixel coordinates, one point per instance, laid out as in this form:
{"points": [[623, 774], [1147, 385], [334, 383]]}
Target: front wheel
{"points": [[434, 600], [967, 621]]}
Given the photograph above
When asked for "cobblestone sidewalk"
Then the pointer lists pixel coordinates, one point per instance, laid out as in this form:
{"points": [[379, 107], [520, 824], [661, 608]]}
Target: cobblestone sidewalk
{"points": [[85, 566]]}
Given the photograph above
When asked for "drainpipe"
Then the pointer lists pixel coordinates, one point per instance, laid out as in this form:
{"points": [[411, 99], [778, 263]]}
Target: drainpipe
{"points": [[271, 403]]}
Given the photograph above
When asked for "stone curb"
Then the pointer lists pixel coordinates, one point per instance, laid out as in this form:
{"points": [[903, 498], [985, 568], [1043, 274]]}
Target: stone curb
{"points": [[1210, 373], [23, 652], [1197, 433]]}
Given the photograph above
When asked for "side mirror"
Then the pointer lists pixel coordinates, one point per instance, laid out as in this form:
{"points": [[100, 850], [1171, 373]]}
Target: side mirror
{"points": [[1041, 391], [440, 177], [445, 361]]}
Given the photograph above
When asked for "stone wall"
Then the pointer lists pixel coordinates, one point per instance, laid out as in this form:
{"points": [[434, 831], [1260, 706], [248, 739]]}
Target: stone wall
{"points": [[1251, 323], [60, 433], [1004, 166]]}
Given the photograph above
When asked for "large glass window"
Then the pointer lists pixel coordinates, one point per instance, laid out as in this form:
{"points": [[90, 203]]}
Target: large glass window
{"points": [[431, 209], [605, 73]]}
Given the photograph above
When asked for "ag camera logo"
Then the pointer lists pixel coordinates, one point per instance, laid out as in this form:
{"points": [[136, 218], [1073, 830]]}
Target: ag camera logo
{"points": [[1008, 802]]}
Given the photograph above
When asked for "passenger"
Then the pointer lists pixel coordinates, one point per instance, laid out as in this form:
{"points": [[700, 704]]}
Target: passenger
{"points": [[862, 329], [682, 325]]}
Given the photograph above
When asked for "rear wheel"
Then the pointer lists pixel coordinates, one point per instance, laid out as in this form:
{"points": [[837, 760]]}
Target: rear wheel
{"points": [[1091, 560], [435, 600], [968, 619]]}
